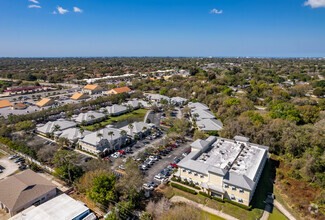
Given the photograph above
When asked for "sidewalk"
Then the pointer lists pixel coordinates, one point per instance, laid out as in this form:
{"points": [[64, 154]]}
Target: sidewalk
{"points": [[176, 199], [283, 210]]}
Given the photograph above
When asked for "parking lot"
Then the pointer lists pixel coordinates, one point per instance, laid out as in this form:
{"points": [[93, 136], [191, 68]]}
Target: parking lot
{"points": [[162, 163], [7, 166]]}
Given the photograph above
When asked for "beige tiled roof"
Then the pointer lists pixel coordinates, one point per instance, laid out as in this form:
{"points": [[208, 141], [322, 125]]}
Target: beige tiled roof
{"points": [[92, 87], [122, 90], [44, 102], [5, 103], [78, 96], [17, 190]]}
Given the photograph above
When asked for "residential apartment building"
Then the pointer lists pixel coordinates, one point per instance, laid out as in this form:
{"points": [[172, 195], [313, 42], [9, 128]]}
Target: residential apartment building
{"points": [[106, 139], [225, 168]]}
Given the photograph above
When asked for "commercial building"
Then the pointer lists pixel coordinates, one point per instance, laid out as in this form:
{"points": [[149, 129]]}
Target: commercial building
{"points": [[20, 191], [92, 89], [225, 168], [60, 207], [79, 96], [106, 139], [5, 103], [45, 102], [119, 91]]}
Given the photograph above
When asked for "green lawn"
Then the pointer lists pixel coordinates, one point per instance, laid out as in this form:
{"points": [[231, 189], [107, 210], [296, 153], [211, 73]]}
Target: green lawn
{"points": [[209, 216], [225, 207], [277, 215], [136, 115]]}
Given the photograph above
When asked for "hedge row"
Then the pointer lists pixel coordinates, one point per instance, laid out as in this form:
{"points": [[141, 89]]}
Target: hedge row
{"points": [[238, 204], [176, 179], [218, 199], [183, 188], [204, 194]]}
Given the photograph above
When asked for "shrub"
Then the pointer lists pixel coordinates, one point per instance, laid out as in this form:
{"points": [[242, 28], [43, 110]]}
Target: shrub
{"points": [[183, 188], [204, 194], [238, 204], [218, 199]]}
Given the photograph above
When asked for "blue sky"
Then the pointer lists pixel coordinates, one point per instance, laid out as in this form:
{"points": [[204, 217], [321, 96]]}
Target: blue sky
{"points": [[264, 28]]}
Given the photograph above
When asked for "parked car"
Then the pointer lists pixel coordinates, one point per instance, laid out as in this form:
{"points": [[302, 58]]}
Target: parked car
{"points": [[19, 159], [12, 157], [22, 167], [152, 184], [148, 187]]}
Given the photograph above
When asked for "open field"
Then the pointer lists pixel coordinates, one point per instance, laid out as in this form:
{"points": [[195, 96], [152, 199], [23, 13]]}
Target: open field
{"points": [[136, 115]]}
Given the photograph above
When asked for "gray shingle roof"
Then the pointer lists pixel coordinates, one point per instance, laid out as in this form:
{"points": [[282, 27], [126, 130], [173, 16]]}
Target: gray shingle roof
{"points": [[209, 125], [116, 109], [89, 116], [50, 126], [93, 138], [241, 181]]}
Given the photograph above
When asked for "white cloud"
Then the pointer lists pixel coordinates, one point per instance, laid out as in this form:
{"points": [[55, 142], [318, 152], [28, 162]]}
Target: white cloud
{"points": [[77, 10], [62, 10], [216, 11], [34, 6], [54, 13], [315, 3], [34, 1]]}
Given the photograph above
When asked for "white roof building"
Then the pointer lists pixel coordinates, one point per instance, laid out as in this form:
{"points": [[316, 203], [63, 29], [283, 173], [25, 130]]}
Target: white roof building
{"points": [[138, 128], [60, 207], [223, 166], [178, 100], [100, 140], [73, 134], [198, 105], [116, 109], [90, 117], [200, 114], [135, 104], [209, 124], [157, 97], [51, 126]]}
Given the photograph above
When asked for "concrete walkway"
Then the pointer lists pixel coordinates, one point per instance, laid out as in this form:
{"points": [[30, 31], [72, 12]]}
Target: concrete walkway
{"points": [[176, 199], [283, 210]]}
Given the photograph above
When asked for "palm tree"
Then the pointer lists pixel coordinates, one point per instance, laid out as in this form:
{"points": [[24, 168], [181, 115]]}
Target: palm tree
{"points": [[123, 134], [81, 130], [111, 133], [144, 130], [130, 126]]}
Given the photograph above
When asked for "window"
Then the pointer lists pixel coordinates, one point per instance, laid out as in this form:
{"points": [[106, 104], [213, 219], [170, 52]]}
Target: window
{"points": [[201, 175], [233, 188], [240, 200], [232, 197], [226, 186], [195, 174], [184, 170], [189, 172], [241, 190]]}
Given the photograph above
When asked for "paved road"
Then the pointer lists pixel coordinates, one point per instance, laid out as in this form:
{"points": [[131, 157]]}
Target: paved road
{"points": [[221, 214]]}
